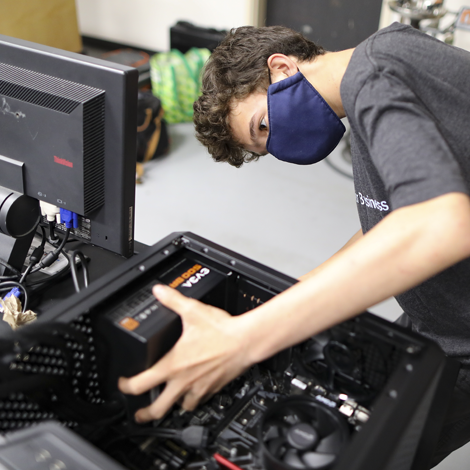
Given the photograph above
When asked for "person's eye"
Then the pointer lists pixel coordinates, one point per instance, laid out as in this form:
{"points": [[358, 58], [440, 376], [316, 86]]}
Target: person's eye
{"points": [[262, 125]]}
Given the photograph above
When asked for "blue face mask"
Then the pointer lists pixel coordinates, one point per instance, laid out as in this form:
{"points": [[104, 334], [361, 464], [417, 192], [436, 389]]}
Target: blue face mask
{"points": [[303, 129]]}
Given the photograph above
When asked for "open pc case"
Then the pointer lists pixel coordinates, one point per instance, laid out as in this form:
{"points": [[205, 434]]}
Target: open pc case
{"points": [[359, 396]]}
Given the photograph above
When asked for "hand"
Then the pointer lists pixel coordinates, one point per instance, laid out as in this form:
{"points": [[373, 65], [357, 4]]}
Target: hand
{"points": [[210, 353]]}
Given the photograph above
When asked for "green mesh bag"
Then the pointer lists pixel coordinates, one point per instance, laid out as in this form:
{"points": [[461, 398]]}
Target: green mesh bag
{"points": [[176, 80]]}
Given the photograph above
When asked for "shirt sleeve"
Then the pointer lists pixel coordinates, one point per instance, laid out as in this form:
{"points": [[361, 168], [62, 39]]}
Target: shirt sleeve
{"points": [[405, 142]]}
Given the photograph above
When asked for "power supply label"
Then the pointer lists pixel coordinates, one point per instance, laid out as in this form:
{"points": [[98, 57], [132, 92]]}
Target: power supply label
{"points": [[129, 323], [192, 278], [136, 309]]}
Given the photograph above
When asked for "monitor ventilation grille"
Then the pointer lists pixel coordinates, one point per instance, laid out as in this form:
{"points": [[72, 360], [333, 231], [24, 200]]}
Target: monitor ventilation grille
{"points": [[94, 153], [65, 96], [43, 90]]}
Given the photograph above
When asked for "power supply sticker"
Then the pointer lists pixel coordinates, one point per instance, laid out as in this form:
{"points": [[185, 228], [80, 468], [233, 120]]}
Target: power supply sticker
{"points": [[134, 310], [191, 277], [129, 323]]}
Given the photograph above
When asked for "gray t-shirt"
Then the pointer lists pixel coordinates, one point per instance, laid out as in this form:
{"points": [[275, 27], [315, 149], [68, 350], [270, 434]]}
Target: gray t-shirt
{"points": [[407, 99]]}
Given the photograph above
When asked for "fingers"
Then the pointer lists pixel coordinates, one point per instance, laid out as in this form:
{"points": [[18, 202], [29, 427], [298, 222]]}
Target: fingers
{"points": [[173, 299], [161, 405], [146, 380], [160, 371], [195, 367], [191, 400], [170, 395]]}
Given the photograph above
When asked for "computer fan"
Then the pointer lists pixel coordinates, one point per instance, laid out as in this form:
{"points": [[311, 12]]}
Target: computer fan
{"points": [[347, 362], [300, 432]]}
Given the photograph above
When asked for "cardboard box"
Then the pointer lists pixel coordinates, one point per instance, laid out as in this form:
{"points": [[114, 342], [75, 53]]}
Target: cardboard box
{"points": [[49, 22]]}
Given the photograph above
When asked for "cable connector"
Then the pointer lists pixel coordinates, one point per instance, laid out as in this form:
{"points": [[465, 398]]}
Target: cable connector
{"points": [[36, 255], [15, 292], [69, 218], [49, 259], [53, 255], [49, 211], [195, 436]]}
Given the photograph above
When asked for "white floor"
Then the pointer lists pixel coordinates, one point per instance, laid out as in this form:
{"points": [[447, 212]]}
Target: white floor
{"points": [[285, 216]]}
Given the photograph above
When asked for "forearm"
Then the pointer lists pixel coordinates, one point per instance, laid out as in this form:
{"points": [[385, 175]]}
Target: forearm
{"points": [[409, 246], [357, 236]]}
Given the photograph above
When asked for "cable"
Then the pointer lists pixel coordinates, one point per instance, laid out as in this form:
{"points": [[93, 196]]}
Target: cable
{"points": [[8, 286], [53, 255], [193, 436], [53, 277], [8, 278], [36, 256], [70, 220], [225, 463], [11, 268], [53, 238], [73, 266], [48, 260], [64, 240], [27, 271]]}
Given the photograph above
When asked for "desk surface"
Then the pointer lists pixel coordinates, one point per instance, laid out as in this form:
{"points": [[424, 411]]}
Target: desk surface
{"points": [[100, 262]]}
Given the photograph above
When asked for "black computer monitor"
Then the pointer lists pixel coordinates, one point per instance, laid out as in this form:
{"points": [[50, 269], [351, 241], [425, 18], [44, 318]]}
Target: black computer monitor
{"points": [[68, 137]]}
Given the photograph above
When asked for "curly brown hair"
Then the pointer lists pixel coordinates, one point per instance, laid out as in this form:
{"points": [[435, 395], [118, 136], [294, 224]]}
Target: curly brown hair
{"points": [[237, 68]]}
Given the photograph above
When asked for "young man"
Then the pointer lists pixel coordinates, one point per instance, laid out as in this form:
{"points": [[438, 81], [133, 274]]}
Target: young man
{"points": [[406, 97]]}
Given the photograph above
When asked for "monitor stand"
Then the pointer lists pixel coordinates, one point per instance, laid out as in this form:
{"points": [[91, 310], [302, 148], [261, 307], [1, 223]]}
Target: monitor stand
{"points": [[14, 252]]}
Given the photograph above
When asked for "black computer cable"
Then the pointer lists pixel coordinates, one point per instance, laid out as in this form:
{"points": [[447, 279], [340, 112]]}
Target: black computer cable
{"points": [[14, 277], [53, 238], [53, 255], [42, 283], [7, 283], [36, 256], [17, 274], [193, 436], [46, 262], [74, 269]]}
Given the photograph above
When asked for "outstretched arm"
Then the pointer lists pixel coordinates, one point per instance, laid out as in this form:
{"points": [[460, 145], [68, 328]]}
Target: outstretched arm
{"points": [[357, 236], [409, 246]]}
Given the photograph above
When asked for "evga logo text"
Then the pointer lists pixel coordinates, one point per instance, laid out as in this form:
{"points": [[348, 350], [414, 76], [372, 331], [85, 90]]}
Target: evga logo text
{"points": [[191, 276]]}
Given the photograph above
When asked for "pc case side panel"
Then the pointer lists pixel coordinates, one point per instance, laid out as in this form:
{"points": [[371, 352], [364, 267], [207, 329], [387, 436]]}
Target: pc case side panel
{"points": [[441, 401], [51, 446], [401, 410]]}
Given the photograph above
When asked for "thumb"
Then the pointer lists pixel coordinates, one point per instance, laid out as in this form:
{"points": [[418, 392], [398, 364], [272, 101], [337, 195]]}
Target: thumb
{"points": [[173, 299]]}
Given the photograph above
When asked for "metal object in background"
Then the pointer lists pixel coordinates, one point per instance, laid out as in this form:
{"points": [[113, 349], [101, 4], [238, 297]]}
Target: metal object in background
{"points": [[431, 17], [418, 10]]}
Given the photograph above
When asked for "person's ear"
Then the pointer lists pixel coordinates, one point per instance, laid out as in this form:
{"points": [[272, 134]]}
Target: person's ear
{"points": [[281, 66]]}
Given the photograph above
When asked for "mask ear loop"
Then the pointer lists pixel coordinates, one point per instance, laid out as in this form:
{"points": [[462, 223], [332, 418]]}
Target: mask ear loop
{"points": [[269, 75]]}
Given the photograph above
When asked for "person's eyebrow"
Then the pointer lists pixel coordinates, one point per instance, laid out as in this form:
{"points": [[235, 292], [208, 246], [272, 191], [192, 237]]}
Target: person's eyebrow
{"points": [[252, 129]]}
